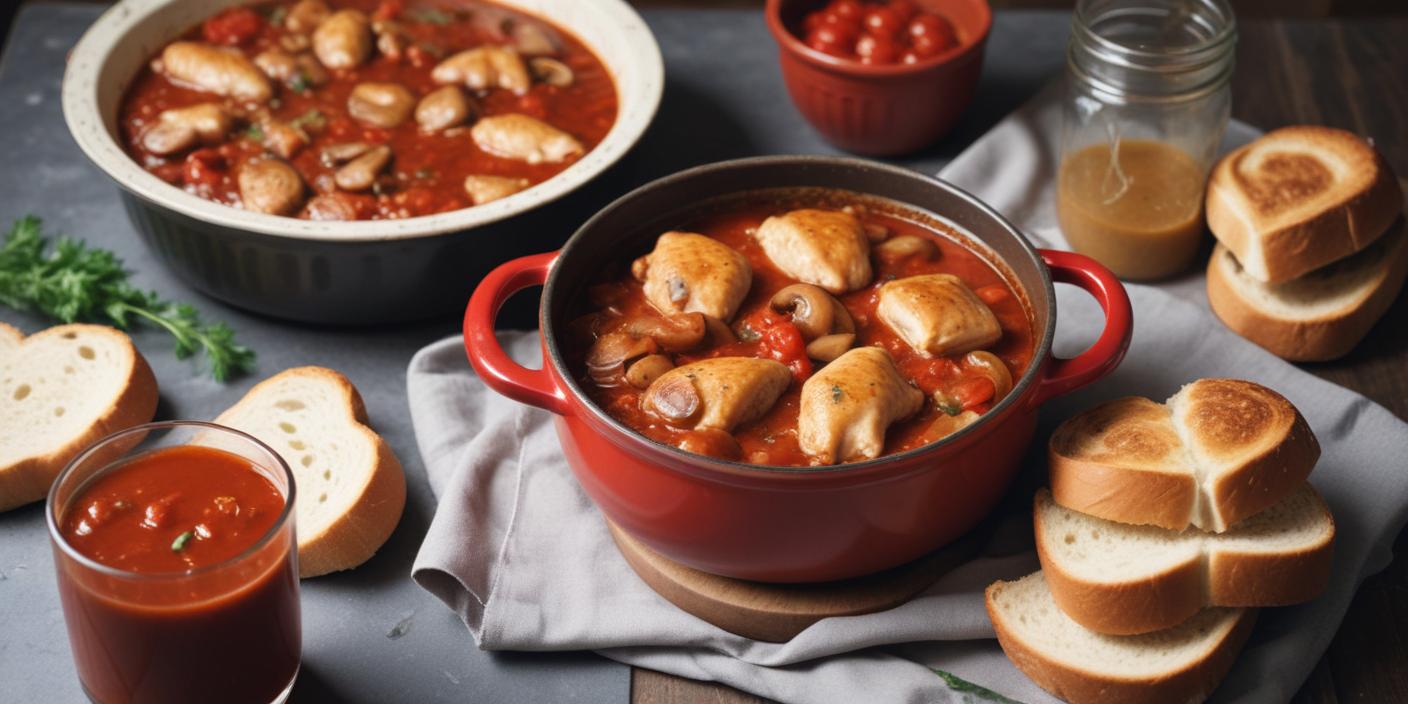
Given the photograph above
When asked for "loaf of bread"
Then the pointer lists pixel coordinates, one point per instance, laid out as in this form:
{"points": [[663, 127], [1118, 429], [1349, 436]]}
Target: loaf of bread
{"points": [[1219, 451], [1123, 579], [1299, 198], [61, 390], [350, 489], [1319, 316], [1179, 665]]}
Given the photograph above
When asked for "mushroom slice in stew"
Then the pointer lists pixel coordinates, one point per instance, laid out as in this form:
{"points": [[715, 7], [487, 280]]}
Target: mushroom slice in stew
{"points": [[847, 406], [482, 189], [815, 312], [693, 273], [305, 16], [936, 314], [721, 393], [485, 67], [524, 138], [826, 248], [179, 129], [343, 40], [211, 69], [380, 104], [443, 108], [270, 186]]}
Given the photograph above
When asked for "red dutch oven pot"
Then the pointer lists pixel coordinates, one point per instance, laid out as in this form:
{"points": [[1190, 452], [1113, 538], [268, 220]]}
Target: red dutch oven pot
{"points": [[788, 524]]}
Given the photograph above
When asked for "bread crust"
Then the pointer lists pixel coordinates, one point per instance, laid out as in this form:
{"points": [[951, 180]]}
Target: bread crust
{"points": [[1145, 496], [1193, 683], [1163, 600], [29, 478], [1123, 494], [1318, 340], [1134, 486], [359, 532], [1293, 248]]}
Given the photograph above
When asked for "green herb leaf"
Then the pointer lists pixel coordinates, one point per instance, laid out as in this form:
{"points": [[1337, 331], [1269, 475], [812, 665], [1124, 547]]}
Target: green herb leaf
{"points": [[179, 543], [255, 132], [75, 282], [836, 394], [314, 119], [431, 15], [958, 684], [299, 82]]}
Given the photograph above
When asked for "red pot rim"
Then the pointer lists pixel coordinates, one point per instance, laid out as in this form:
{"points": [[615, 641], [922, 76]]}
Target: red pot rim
{"points": [[792, 44]]}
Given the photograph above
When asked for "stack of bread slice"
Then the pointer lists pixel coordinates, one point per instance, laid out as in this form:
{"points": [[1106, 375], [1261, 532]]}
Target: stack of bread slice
{"points": [[1311, 239], [1165, 526]]}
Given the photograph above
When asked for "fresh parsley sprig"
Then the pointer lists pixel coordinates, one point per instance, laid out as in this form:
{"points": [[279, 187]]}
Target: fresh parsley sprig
{"points": [[75, 282]]}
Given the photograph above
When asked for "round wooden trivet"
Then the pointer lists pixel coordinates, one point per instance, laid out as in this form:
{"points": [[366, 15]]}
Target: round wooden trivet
{"points": [[777, 612]]}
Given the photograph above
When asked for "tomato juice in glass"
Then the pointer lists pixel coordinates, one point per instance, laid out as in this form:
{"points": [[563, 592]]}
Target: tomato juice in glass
{"points": [[177, 566]]}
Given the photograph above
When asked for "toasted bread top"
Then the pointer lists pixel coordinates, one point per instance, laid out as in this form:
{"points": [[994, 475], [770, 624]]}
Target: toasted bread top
{"points": [[1299, 198], [1130, 432], [1226, 421], [1218, 451]]}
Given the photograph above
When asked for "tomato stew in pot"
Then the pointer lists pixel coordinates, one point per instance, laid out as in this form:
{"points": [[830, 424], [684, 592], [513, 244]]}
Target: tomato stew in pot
{"points": [[782, 377], [366, 109]]}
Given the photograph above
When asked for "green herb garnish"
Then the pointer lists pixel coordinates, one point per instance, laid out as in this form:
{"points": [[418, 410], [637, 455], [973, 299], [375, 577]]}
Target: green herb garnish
{"points": [[255, 132], [836, 394], [958, 684], [179, 543], [277, 15], [431, 15], [299, 82], [75, 282], [313, 118]]}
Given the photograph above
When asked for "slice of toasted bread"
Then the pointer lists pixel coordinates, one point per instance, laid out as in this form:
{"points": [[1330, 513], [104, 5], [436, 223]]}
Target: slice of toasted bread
{"points": [[1299, 198], [1221, 450], [1319, 316], [62, 389], [1123, 580], [1175, 666], [350, 487]]}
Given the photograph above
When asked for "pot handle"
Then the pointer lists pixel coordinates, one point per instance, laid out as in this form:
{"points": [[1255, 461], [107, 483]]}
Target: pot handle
{"points": [[1066, 375], [534, 387]]}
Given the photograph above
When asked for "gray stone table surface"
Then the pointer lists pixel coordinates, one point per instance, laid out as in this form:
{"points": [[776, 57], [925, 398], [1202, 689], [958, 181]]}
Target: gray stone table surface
{"points": [[371, 635]]}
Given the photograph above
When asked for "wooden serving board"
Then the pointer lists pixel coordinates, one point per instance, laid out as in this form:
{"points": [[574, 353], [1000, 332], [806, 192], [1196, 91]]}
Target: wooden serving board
{"points": [[777, 612]]}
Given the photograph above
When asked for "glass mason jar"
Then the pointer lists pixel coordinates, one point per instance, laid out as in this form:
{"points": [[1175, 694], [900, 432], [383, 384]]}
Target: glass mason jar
{"points": [[223, 632], [1148, 99]]}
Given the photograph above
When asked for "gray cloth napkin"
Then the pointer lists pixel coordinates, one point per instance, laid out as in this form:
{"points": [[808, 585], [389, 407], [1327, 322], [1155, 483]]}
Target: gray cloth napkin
{"points": [[521, 554]]}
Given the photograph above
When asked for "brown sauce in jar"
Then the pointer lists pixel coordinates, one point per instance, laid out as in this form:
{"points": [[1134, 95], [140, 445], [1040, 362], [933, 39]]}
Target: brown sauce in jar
{"points": [[1139, 213]]}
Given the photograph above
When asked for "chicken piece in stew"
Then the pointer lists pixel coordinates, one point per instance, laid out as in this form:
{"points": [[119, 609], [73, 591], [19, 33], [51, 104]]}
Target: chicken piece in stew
{"points": [[752, 332]]}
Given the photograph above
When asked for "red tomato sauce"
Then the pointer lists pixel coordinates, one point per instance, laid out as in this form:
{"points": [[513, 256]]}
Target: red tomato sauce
{"points": [[765, 333], [176, 632], [427, 171], [173, 510]]}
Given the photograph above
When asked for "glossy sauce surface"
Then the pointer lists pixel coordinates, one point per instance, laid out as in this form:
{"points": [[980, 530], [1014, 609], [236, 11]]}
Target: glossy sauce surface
{"points": [[765, 333], [427, 171], [172, 510]]}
